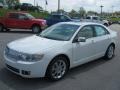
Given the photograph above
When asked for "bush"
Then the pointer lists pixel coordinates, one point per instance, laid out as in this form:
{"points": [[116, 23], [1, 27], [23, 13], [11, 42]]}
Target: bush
{"points": [[35, 14]]}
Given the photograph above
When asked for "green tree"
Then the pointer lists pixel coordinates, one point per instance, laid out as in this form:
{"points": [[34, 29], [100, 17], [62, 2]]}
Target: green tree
{"points": [[73, 13], [92, 13], [82, 12]]}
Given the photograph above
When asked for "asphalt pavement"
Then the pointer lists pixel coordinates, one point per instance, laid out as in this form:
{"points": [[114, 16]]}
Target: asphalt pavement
{"points": [[97, 75]]}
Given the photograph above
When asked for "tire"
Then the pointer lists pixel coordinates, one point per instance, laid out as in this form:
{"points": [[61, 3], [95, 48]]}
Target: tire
{"points": [[57, 69], [1, 28], [36, 29], [106, 24], [110, 52]]}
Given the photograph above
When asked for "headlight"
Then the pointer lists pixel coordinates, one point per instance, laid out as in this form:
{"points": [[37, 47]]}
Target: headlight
{"points": [[35, 57]]}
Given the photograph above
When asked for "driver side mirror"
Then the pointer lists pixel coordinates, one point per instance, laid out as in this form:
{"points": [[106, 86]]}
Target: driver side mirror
{"points": [[80, 39]]}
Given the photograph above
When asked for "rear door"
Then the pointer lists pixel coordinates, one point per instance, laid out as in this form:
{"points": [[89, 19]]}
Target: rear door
{"points": [[11, 20], [101, 40]]}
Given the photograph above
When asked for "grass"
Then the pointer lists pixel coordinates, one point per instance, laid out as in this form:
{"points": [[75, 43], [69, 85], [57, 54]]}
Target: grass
{"points": [[115, 19], [35, 14]]}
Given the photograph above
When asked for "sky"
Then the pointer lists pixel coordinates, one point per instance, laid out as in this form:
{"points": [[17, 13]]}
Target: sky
{"points": [[68, 5]]}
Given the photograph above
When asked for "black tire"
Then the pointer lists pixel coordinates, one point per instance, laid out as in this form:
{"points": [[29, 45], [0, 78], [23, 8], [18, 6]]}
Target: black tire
{"points": [[7, 30], [1, 28], [110, 52], [106, 24], [50, 71], [36, 29]]}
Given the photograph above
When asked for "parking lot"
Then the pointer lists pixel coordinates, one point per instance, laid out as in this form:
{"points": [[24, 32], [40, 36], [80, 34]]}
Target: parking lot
{"points": [[96, 75]]}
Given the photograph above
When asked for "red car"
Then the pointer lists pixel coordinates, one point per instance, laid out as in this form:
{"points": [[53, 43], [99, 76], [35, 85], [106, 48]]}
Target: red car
{"points": [[21, 20]]}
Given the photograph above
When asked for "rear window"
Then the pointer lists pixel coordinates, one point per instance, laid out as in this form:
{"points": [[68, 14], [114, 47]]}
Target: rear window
{"points": [[87, 17], [95, 18]]}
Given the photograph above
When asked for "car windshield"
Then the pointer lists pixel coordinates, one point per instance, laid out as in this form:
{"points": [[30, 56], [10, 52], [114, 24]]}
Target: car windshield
{"points": [[30, 16], [63, 32]]}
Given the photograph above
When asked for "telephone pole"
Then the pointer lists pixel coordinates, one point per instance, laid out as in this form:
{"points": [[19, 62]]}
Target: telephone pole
{"points": [[101, 9], [58, 6], [34, 2]]}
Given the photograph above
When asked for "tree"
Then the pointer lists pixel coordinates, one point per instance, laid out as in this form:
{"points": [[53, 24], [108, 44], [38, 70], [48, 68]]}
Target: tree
{"points": [[11, 3], [73, 13], [92, 13], [82, 12]]}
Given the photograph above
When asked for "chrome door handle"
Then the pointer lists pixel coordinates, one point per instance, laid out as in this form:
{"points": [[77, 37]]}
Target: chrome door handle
{"points": [[92, 41]]}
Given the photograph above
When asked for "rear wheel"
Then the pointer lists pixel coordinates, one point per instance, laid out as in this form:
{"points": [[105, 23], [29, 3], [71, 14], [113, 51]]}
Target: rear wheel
{"points": [[110, 52], [36, 29], [57, 68], [1, 28]]}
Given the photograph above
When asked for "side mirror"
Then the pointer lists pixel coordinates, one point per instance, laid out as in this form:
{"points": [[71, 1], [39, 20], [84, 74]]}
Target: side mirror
{"points": [[81, 39]]}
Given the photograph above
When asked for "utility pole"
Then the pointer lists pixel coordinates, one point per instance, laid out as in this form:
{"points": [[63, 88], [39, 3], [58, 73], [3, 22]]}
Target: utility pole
{"points": [[34, 2], [101, 9], [58, 6], [112, 10]]}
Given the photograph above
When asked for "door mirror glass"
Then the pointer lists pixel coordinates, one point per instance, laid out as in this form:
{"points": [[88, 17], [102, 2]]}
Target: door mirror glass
{"points": [[81, 39]]}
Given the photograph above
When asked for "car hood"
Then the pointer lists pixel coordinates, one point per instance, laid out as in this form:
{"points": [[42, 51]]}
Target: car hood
{"points": [[34, 44]]}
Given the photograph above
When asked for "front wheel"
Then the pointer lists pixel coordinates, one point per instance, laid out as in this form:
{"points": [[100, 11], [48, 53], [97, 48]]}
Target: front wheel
{"points": [[110, 52], [57, 68], [36, 29]]}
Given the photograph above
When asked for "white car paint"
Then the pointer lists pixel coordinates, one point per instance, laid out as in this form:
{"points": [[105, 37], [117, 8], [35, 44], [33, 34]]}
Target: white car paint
{"points": [[78, 53]]}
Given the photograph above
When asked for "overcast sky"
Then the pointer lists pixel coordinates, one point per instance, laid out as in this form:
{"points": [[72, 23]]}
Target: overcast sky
{"points": [[67, 5]]}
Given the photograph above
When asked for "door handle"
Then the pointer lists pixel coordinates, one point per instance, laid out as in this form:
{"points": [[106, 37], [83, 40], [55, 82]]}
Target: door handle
{"points": [[93, 41]]}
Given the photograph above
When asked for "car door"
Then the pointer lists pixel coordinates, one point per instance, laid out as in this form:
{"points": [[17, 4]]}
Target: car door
{"points": [[84, 51], [11, 20], [101, 40], [23, 21]]}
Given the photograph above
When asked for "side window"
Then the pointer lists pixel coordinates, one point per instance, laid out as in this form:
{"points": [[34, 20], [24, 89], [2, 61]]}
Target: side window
{"points": [[100, 31], [21, 16], [13, 16], [56, 17], [87, 32], [95, 18], [64, 18]]}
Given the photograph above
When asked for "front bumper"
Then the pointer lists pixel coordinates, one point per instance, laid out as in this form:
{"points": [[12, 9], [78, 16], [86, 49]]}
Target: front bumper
{"points": [[27, 69]]}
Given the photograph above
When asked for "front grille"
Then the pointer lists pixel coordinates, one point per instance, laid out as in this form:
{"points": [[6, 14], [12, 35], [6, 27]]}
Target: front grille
{"points": [[13, 69], [12, 54]]}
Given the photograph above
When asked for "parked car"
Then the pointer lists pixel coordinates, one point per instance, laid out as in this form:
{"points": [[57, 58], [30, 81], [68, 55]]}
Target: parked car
{"points": [[3, 5], [28, 7], [96, 19], [21, 20], [56, 18], [59, 48]]}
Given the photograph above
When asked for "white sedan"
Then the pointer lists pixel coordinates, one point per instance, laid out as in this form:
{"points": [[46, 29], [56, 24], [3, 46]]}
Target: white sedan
{"points": [[58, 48]]}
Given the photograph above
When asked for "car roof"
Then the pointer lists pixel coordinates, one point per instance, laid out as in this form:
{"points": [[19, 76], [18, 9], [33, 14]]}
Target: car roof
{"points": [[22, 12], [81, 23]]}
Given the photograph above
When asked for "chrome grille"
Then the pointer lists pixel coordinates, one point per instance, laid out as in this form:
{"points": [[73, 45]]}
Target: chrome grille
{"points": [[12, 54]]}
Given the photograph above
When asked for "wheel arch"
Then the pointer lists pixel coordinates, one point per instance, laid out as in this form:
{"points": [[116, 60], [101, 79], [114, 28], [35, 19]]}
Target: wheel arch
{"points": [[63, 55], [35, 24], [2, 24], [113, 44]]}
